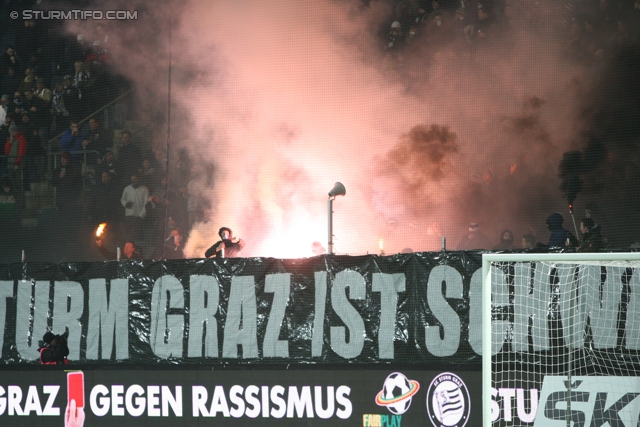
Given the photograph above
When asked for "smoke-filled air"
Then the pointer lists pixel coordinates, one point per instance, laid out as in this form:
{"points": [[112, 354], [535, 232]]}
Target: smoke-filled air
{"points": [[267, 104]]}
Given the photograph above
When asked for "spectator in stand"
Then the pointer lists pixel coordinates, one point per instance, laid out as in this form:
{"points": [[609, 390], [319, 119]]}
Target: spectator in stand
{"points": [[439, 27], [36, 154], [129, 157], [4, 101], [130, 252], [394, 36], [38, 66], [66, 179], [39, 113], [528, 241], [97, 54], [15, 149], [17, 105], [174, 246], [105, 201], [10, 81], [34, 160], [459, 19], [71, 140], [78, 49], [436, 10], [421, 16], [27, 38], [149, 175], [72, 98], [560, 237], [9, 59], [474, 239], [97, 87], [53, 349], [80, 77], [27, 127], [227, 247], [591, 239], [29, 81], [506, 241], [108, 164], [60, 119], [4, 137], [101, 36], [95, 139], [8, 201], [134, 199], [485, 27], [405, 13], [42, 92]]}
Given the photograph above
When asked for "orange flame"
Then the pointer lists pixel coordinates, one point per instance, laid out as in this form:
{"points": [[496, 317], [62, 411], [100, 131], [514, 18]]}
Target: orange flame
{"points": [[381, 244], [100, 229]]}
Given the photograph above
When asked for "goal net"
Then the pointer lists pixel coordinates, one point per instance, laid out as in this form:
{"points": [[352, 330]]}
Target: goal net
{"points": [[563, 346]]}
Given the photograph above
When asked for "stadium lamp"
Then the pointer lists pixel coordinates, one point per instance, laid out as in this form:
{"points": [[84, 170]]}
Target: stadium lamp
{"points": [[337, 190]]}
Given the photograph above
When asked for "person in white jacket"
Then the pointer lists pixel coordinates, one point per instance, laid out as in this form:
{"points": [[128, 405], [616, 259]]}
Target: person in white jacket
{"points": [[134, 199]]}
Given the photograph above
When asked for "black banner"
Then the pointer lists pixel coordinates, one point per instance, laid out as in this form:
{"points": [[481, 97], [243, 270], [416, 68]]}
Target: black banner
{"points": [[409, 308], [419, 308]]}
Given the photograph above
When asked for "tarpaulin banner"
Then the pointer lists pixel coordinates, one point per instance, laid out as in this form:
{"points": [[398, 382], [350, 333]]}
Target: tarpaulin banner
{"points": [[420, 308], [407, 308]]}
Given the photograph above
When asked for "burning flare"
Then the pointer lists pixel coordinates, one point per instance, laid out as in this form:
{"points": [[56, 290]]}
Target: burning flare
{"points": [[381, 244], [100, 229]]}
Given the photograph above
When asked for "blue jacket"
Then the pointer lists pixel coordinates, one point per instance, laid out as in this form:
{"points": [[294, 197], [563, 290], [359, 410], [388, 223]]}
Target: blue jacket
{"points": [[559, 235], [70, 143]]}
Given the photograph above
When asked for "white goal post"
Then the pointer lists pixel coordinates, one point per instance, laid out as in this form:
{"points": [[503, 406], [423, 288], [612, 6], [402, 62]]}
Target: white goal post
{"points": [[555, 319]]}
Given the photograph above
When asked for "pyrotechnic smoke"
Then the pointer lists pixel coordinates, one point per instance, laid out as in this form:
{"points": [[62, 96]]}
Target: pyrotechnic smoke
{"points": [[276, 101], [605, 168]]}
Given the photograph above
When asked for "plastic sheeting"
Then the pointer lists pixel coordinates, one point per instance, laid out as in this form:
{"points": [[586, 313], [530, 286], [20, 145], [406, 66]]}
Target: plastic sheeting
{"points": [[407, 308]]}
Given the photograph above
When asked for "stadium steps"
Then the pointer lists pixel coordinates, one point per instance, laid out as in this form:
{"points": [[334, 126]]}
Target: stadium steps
{"points": [[38, 200]]}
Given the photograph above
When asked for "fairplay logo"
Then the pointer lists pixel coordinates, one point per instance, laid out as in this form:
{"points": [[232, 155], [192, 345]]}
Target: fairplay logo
{"points": [[448, 402], [396, 393]]}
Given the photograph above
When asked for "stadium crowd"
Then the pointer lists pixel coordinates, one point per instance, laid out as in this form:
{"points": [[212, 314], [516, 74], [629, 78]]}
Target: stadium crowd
{"points": [[51, 82]]}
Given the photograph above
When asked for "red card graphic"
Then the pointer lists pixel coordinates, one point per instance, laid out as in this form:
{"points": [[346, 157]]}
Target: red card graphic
{"points": [[75, 388]]}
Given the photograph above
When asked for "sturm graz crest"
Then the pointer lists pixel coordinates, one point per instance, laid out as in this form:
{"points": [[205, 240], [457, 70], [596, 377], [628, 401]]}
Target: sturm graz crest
{"points": [[396, 393], [448, 402]]}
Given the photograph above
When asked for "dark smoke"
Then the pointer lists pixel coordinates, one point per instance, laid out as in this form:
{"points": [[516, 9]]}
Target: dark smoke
{"points": [[570, 169], [422, 155], [605, 170]]}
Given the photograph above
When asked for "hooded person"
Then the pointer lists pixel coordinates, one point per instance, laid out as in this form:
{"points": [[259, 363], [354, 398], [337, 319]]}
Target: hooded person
{"points": [[227, 247], [559, 235], [474, 239], [592, 240], [53, 349]]}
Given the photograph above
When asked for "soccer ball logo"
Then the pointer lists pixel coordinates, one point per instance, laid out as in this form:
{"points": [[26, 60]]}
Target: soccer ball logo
{"points": [[396, 393]]}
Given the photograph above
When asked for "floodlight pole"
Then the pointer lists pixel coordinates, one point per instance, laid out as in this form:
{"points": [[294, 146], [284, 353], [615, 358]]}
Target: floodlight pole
{"points": [[338, 190], [330, 209]]}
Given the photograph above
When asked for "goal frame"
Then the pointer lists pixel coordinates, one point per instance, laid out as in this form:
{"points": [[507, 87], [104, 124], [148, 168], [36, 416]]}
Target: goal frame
{"points": [[489, 258]]}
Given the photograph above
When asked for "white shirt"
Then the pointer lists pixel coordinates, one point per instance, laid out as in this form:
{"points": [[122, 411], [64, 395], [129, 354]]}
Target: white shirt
{"points": [[138, 197]]}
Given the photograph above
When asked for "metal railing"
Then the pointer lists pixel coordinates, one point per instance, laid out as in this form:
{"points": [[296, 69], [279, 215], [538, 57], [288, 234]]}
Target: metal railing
{"points": [[53, 142]]}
